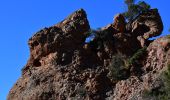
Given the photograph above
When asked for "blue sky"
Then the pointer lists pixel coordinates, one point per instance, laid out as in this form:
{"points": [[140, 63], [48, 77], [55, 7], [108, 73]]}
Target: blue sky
{"points": [[20, 19]]}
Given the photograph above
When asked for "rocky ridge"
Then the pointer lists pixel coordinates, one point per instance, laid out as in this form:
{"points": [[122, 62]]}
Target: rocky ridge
{"points": [[63, 67]]}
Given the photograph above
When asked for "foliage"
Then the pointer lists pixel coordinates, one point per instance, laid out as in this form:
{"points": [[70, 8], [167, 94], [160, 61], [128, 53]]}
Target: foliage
{"points": [[168, 36], [81, 91], [166, 79], [99, 38], [102, 38], [134, 59], [133, 10], [90, 32], [163, 92], [118, 69]]}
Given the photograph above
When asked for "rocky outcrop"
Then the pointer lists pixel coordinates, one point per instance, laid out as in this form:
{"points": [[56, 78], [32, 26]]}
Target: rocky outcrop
{"points": [[119, 23], [156, 62], [147, 25], [63, 67], [58, 41]]}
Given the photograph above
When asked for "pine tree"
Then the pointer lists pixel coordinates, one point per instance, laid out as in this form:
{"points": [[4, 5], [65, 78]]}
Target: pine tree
{"points": [[133, 9]]}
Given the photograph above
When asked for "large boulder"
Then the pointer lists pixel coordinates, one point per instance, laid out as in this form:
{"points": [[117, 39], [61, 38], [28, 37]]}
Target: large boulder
{"points": [[147, 25], [59, 40]]}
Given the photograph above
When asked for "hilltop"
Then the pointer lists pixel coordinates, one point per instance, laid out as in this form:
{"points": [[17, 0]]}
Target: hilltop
{"points": [[119, 63]]}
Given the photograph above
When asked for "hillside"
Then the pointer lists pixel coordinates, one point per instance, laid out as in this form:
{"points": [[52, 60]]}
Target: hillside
{"points": [[120, 63]]}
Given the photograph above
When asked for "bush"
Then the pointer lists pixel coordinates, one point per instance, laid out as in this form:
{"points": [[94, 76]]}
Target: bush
{"points": [[90, 32], [168, 36], [135, 58], [118, 69], [166, 79], [98, 38], [163, 92], [81, 91], [133, 10]]}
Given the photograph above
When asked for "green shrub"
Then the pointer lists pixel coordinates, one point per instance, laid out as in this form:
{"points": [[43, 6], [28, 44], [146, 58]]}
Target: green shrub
{"points": [[118, 69], [101, 38], [81, 91], [166, 79], [88, 33], [134, 9], [135, 58], [162, 92], [168, 36]]}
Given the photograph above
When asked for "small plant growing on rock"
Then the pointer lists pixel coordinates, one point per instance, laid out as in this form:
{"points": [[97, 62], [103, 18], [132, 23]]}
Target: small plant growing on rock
{"points": [[90, 32], [168, 34], [81, 91], [98, 38], [136, 61], [166, 79], [135, 58], [118, 69], [162, 92]]}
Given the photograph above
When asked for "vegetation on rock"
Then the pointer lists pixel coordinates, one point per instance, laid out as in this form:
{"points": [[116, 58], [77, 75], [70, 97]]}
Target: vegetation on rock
{"points": [[101, 37], [135, 9], [62, 66], [118, 69], [136, 56], [163, 91]]}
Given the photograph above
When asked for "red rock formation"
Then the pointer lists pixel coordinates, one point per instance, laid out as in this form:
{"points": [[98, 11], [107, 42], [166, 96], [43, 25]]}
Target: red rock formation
{"points": [[147, 25], [62, 67], [119, 23]]}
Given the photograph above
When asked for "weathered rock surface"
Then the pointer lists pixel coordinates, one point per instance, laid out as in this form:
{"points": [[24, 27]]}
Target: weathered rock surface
{"points": [[62, 67], [147, 25], [119, 23], [156, 61]]}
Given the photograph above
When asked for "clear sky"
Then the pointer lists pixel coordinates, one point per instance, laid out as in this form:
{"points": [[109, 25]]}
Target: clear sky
{"points": [[20, 19]]}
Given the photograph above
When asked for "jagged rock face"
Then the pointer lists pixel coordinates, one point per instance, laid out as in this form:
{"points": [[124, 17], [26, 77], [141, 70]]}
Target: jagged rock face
{"points": [[156, 61], [64, 37], [119, 23], [147, 25], [150, 20], [62, 67]]}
